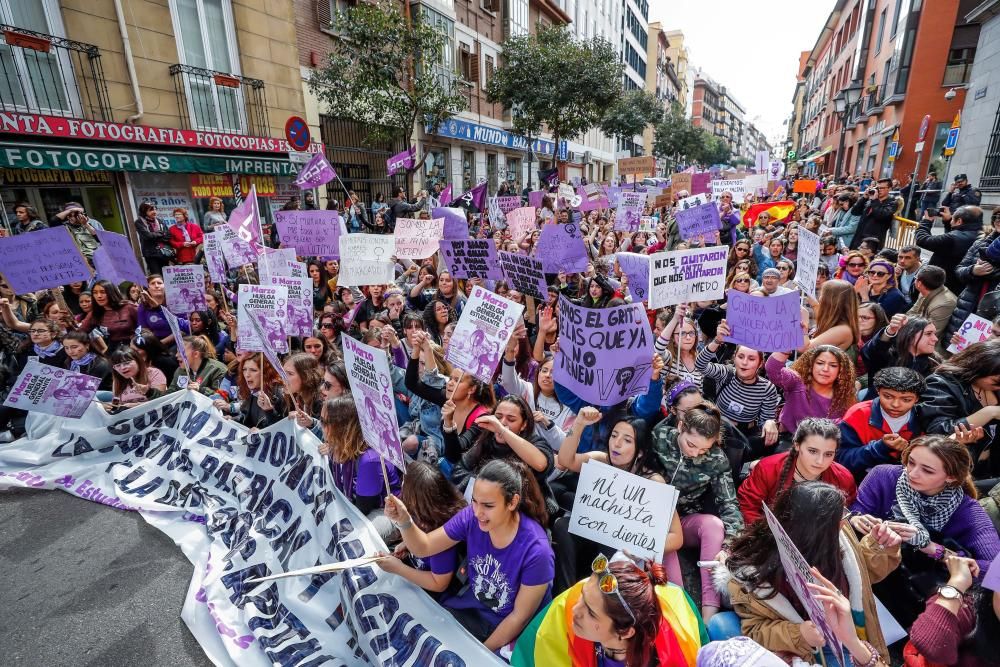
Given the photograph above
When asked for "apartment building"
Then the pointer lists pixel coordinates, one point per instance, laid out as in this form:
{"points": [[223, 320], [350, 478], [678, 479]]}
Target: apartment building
{"points": [[661, 76], [677, 53]]}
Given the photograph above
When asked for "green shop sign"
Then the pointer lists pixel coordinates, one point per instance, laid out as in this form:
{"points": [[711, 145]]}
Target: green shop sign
{"points": [[16, 156]]}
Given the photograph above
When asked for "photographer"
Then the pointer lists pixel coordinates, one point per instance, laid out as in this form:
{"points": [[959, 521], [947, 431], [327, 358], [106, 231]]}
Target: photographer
{"points": [[877, 210], [960, 232]]}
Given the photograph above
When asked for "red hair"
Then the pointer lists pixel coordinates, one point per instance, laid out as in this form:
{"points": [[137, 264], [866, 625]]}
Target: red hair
{"points": [[638, 588], [181, 210]]}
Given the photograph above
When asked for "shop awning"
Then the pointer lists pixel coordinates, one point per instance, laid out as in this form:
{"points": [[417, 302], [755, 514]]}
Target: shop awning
{"points": [[817, 155]]}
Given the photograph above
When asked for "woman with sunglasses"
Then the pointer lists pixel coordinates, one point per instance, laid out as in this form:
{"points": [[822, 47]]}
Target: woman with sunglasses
{"points": [[878, 285], [510, 562], [622, 615], [853, 267], [741, 282]]}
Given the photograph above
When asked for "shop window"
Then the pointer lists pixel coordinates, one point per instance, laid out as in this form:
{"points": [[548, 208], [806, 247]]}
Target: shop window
{"points": [[492, 172], [436, 167], [468, 170]]}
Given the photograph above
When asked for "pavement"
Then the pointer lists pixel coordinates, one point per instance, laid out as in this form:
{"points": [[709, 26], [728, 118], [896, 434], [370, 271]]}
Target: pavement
{"points": [[89, 586]]}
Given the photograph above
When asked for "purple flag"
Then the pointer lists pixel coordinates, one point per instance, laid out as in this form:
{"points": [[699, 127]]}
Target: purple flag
{"points": [[116, 261], [42, 259], [561, 248], [446, 196], [456, 226], [318, 172], [245, 221], [475, 197], [401, 161], [471, 258], [765, 323], [605, 354]]}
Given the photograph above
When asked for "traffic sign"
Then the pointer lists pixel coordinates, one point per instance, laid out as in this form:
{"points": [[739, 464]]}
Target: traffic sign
{"points": [[951, 142], [893, 151], [924, 124], [297, 132], [957, 123], [918, 147]]}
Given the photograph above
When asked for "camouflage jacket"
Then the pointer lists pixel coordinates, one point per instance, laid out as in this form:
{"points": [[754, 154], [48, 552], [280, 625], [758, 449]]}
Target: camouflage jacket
{"points": [[704, 484]]}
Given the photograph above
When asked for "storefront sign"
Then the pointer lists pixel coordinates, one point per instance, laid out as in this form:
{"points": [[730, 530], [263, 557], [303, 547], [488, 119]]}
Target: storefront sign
{"points": [[483, 134], [53, 176], [68, 158], [204, 186], [164, 198], [37, 125]]}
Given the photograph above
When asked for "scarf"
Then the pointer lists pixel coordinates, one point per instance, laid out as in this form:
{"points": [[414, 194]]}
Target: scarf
{"points": [[184, 230], [50, 351], [923, 512], [76, 364]]}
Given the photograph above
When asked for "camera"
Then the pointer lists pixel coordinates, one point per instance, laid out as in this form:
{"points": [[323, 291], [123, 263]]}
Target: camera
{"points": [[870, 191]]}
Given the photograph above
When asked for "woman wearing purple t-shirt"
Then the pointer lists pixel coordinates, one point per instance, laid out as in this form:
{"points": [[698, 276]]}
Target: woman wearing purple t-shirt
{"points": [[510, 562]]}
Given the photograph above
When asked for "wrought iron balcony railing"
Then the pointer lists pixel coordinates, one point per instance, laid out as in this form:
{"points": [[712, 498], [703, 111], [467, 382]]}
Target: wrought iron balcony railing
{"points": [[220, 102]]}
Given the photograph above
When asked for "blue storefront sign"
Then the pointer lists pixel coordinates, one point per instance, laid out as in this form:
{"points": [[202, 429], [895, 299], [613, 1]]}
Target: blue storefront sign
{"points": [[483, 134]]}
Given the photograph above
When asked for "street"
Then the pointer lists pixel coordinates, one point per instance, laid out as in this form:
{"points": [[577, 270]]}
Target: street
{"points": [[88, 585]]}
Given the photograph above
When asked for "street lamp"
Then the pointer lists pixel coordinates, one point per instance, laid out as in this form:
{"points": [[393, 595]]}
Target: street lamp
{"points": [[843, 105]]}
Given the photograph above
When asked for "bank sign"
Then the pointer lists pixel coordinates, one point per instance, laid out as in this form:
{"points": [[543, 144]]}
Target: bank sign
{"points": [[483, 134]]}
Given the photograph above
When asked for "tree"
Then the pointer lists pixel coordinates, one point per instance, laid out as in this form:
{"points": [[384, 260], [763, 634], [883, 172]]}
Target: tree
{"points": [[741, 162], [713, 150], [676, 139], [383, 72], [631, 114], [553, 80]]}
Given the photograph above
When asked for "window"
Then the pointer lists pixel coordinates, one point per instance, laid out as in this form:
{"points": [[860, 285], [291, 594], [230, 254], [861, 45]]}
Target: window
{"points": [[205, 39], [881, 31], [444, 69], [492, 6], [492, 171], [517, 21], [990, 180], [491, 68], [468, 170], [436, 166], [959, 67], [895, 18], [33, 80]]}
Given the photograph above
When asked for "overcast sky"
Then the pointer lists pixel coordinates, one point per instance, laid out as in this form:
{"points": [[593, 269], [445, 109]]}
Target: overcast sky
{"points": [[752, 48]]}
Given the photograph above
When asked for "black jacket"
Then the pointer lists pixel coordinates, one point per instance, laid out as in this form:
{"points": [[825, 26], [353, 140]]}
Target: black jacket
{"points": [[149, 239], [967, 196], [98, 368], [946, 403], [400, 208], [252, 416], [876, 219], [974, 286], [949, 248]]}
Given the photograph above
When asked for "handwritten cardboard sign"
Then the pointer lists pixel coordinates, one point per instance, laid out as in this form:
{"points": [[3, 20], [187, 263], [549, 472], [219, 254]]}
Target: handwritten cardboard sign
{"points": [[683, 276], [974, 329], [561, 248], [311, 233], [115, 260], [737, 186], [592, 197], [471, 258], [524, 274], [366, 259], [697, 221], [521, 222], [807, 261], [765, 323], [630, 166], [43, 259], [418, 239]]}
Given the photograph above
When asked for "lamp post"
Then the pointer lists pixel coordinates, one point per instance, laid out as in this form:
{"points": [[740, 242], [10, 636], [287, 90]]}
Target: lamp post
{"points": [[843, 105]]}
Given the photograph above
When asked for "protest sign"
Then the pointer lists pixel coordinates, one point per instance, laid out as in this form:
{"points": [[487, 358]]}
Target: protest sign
{"points": [[456, 225], [118, 262], [647, 223], [521, 222], [178, 334], [535, 198], [270, 305], [698, 221], [756, 184], [992, 579], [561, 248], [524, 274], [366, 259], [214, 259], [736, 186], [805, 186], [636, 267], [185, 287], [765, 323], [418, 239], [52, 390], [701, 183], [236, 252], [630, 166], [482, 332], [245, 506], [317, 172], [299, 307], [974, 329], [631, 206], [614, 193], [401, 161], [681, 182], [605, 354], [622, 510], [692, 201], [495, 215], [274, 262], [311, 233], [43, 259], [471, 258], [507, 204], [807, 261], [260, 331], [775, 170], [663, 200], [682, 276], [592, 197], [798, 574], [371, 387]]}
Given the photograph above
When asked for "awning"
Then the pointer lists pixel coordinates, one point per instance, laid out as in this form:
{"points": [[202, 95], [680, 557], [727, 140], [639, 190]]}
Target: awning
{"points": [[818, 155]]}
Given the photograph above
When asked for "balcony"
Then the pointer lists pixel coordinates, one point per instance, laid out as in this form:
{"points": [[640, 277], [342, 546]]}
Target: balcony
{"points": [[874, 100], [51, 75], [956, 75], [219, 102]]}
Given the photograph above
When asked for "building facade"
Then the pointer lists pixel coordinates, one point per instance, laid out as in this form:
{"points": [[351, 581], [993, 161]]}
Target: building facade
{"points": [[661, 77], [88, 116], [678, 55]]}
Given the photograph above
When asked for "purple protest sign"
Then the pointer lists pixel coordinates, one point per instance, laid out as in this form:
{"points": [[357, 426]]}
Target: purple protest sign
{"points": [[561, 248], [698, 221], [456, 225], [605, 354], [630, 210], [371, 387], [52, 391], [701, 183], [446, 196], [175, 329], [43, 259], [185, 287], [471, 258], [245, 221], [482, 332], [299, 306], [765, 323], [524, 274], [214, 258], [535, 198], [521, 222], [236, 252], [636, 267], [268, 303], [614, 193], [259, 327], [992, 579], [311, 233], [798, 574], [401, 161], [507, 204], [592, 197], [316, 173], [117, 261]]}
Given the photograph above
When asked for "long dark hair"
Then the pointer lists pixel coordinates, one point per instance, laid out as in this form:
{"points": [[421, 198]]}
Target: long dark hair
{"points": [[646, 461], [810, 513], [118, 381], [115, 299], [977, 361], [824, 428], [513, 477], [486, 446], [637, 586], [908, 335], [211, 325], [430, 496]]}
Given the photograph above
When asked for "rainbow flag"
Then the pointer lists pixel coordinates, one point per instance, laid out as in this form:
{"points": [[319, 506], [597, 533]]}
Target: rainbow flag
{"points": [[548, 641]]}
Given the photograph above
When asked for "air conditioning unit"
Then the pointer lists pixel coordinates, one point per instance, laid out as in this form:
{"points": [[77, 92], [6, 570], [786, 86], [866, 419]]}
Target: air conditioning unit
{"points": [[587, 157]]}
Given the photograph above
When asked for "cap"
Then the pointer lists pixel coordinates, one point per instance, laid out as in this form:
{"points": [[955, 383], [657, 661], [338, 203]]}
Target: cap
{"points": [[961, 177], [771, 272]]}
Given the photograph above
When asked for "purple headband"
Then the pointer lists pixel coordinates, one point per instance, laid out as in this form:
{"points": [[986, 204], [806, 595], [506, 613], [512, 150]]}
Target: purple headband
{"points": [[678, 389]]}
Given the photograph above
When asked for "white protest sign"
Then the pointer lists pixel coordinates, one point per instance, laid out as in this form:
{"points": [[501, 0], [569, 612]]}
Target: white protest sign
{"points": [[682, 276], [272, 262], [184, 286], [270, 304], [521, 222], [213, 257], [756, 183], [365, 259], [371, 386], [622, 510], [737, 186], [482, 332], [974, 329], [52, 390], [417, 239], [807, 261], [692, 201]]}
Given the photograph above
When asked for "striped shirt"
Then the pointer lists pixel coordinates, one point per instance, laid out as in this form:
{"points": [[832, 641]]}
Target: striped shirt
{"points": [[739, 402]]}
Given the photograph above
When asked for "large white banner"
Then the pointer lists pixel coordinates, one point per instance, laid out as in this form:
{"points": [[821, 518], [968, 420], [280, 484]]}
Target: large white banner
{"points": [[242, 505]]}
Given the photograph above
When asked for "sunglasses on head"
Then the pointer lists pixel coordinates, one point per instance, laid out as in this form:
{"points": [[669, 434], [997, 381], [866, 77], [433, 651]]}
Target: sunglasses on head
{"points": [[608, 583]]}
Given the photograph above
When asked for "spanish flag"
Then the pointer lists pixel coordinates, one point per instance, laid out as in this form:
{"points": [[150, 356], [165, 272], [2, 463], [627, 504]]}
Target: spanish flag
{"points": [[549, 640], [778, 210]]}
